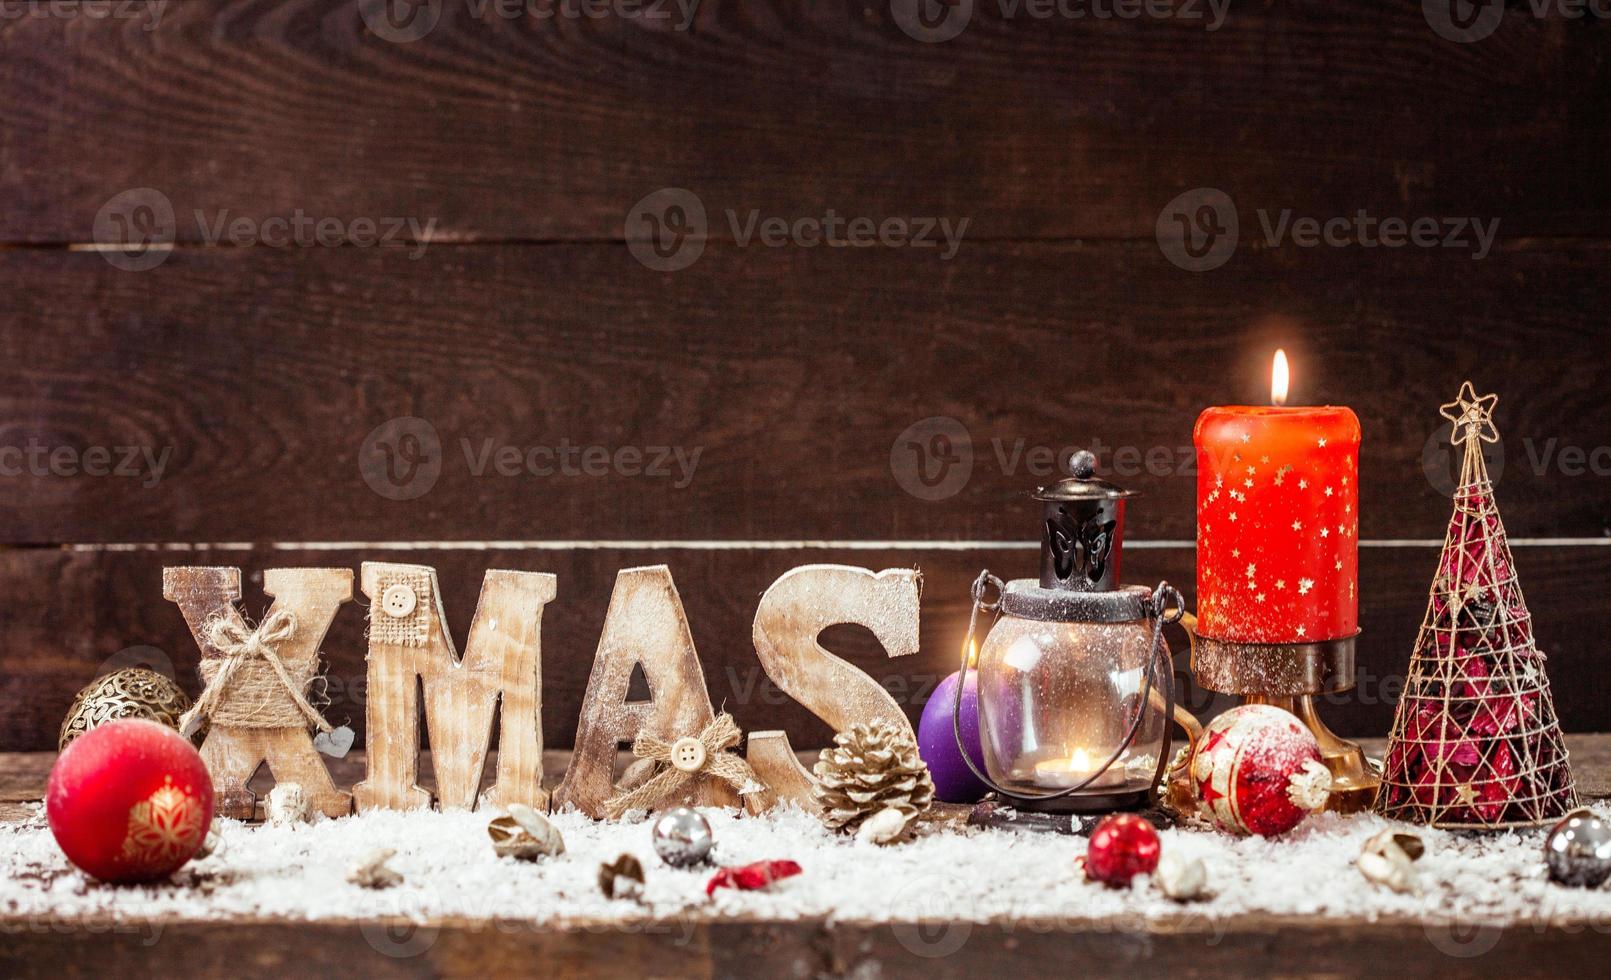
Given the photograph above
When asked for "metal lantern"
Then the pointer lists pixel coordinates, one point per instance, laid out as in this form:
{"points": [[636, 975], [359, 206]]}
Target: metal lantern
{"points": [[1075, 679]]}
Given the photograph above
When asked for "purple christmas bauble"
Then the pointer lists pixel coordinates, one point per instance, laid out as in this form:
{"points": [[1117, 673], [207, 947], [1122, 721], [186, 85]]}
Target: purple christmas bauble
{"points": [[937, 745]]}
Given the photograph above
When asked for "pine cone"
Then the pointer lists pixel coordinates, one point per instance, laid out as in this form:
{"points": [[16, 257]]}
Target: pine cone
{"points": [[871, 767]]}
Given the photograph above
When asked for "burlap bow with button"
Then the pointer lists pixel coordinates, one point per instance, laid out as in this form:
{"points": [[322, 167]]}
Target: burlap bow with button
{"points": [[248, 685], [677, 762]]}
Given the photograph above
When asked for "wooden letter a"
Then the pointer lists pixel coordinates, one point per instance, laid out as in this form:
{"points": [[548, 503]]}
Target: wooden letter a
{"points": [[645, 625], [409, 645]]}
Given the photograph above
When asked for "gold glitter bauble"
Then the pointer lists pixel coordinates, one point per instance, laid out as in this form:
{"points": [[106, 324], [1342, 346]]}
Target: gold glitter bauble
{"points": [[133, 692]]}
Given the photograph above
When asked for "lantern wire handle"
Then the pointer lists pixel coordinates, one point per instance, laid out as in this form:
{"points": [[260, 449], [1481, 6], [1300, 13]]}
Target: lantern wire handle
{"points": [[1162, 598]]}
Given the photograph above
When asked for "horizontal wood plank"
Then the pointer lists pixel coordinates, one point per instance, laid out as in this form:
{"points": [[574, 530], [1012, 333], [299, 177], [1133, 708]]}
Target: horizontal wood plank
{"points": [[760, 394], [533, 128], [68, 616], [1189, 947]]}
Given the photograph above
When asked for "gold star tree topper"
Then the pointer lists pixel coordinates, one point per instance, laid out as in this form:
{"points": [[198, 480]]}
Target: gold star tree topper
{"points": [[1472, 416]]}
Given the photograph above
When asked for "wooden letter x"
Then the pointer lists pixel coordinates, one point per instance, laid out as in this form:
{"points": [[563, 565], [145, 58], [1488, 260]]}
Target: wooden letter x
{"points": [[232, 753]]}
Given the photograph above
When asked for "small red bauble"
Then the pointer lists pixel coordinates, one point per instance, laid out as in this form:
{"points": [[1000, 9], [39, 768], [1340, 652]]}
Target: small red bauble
{"points": [[1122, 846], [1257, 770], [130, 801]]}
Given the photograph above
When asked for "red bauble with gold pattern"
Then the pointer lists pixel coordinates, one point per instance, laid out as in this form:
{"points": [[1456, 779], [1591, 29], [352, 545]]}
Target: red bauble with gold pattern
{"points": [[130, 801], [1257, 770]]}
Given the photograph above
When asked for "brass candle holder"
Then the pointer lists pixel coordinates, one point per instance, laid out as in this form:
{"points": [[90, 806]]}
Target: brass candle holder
{"points": [[1290, 676]]}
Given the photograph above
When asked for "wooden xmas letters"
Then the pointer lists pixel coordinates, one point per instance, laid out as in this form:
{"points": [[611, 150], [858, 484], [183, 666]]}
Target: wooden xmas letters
{"points": [[234, 752], [408, 639], [645, 626], [793, 612]]}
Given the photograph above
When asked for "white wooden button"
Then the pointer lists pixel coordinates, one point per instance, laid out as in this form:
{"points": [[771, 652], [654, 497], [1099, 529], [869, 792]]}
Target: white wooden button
{"points": [[688, 754], [398, 601]]}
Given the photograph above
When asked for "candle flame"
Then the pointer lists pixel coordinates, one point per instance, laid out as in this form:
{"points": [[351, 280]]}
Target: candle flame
{"points": [[973, 653], [1279, 378], [1080, 761]]}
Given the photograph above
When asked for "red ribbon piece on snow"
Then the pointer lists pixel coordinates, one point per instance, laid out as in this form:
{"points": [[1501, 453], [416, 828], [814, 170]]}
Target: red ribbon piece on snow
{"points": [[751, 877]]}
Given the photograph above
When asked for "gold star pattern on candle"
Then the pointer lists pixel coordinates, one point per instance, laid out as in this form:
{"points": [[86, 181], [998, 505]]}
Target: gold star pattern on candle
{"points": [[1472, 416], [1282, 526]]}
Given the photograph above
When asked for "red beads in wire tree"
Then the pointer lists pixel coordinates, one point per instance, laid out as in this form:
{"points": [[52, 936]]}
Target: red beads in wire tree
{"points": [[1475, 740]]}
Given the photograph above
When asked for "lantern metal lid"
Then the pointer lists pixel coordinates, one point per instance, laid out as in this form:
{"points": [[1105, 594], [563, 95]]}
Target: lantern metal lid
{"points": [[1081, 540]]}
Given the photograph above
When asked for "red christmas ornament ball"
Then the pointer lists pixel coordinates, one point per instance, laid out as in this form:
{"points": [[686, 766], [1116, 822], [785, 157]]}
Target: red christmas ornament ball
{"points": [[1257, 770], [129, 801], [1122, 846]]}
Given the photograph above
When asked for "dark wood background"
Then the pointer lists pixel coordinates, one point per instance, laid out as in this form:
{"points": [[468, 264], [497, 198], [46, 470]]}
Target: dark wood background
{"points": [[526, 320]]}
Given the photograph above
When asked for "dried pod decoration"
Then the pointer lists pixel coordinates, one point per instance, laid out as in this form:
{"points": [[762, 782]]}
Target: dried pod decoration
{"points": [[372, 871], [1388, 859], [1184, 879], [525, 834], [872, 767], [884, 827], [622, 878], [286, 804]]}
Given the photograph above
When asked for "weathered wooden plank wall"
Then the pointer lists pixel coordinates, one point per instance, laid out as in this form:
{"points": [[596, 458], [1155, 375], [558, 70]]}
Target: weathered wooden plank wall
{"points": [[254, 381]]}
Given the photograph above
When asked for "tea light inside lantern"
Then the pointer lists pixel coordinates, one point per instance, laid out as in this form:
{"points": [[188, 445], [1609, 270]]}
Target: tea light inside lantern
{"points": [[1076, 769]]}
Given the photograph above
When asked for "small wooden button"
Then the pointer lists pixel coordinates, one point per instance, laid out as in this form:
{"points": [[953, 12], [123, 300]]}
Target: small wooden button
{"points": [[688, 754], [398, 601]]}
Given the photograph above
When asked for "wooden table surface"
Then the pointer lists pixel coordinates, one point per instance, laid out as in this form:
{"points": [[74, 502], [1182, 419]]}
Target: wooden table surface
{"points": [[1187, 946]]}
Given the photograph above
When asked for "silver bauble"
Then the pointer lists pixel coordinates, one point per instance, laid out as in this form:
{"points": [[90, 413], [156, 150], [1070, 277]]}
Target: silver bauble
{"points": [[1578, 850], [681, 837]]}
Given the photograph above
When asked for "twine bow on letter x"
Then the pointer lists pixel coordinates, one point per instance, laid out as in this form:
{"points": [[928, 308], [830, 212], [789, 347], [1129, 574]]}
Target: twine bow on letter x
{"points": [[249, 685], [681, 761]]}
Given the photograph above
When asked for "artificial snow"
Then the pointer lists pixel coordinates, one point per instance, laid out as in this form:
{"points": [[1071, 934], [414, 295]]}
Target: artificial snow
{"points": [[299, 872]]}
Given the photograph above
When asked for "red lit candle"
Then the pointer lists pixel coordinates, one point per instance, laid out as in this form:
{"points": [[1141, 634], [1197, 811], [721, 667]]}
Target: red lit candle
{"points": [[1277, 521]]}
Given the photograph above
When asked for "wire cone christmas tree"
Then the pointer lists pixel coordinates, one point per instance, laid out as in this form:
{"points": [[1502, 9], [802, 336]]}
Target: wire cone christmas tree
{"points": [[1475, 741]]}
